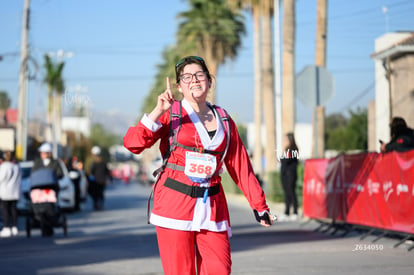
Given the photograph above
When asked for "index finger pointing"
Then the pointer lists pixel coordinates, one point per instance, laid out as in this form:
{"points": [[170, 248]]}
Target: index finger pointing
{"points": [[168, 83]]}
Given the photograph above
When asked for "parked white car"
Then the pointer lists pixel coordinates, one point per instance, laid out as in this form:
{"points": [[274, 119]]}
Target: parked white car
{"points": [[66, 195]]}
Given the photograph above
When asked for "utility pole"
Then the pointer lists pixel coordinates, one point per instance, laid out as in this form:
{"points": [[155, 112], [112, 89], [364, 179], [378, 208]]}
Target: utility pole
{"points": [[278, 79], [23, 83], [321, 30], [318, 150], [258, 89]]}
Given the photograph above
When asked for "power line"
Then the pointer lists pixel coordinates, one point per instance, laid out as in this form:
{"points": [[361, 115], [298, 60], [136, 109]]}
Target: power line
{"points": [[358, 97], [358, 12]]}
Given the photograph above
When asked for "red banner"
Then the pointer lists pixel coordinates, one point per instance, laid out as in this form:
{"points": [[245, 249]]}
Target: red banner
{"points": [[369, 189]]}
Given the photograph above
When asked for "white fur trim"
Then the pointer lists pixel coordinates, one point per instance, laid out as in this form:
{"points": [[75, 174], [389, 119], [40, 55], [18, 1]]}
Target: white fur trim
{"points": [[188, 225], [150, 124], [209, 144]]}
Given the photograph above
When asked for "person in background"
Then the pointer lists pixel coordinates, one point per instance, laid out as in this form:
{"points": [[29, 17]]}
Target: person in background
{"points": [[402, 137], [289, 163], [44, 178], [98, 176], [10, 180], [126, 173], [47, 161]]}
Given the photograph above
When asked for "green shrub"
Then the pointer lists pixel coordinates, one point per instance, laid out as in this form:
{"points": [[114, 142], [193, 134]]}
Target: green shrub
{"points": [[274, 186], [228, 184], [299, 183]]}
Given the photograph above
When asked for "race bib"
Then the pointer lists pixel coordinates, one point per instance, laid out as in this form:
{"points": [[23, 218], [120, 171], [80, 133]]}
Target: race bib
{"points": [[199, 167]]}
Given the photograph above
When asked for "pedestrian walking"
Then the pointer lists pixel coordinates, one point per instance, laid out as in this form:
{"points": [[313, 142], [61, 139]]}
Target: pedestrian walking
{"points": [[75, 175], [196, 139], [10, 180], [98, 176]]}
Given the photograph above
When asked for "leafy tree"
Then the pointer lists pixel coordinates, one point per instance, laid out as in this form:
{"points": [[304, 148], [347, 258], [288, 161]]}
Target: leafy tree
{"points": [[344, 134], [357, 129], [199, 23], [102, 137], [242, 129], [4, 105], [334, 121], [4, 100]]}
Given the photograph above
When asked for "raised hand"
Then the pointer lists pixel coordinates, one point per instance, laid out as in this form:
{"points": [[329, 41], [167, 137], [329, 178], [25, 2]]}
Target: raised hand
{"points": [[164, 103]]}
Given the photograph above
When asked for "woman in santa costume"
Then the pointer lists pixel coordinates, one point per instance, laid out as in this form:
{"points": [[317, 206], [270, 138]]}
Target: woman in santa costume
{"points": [[190, 210]]}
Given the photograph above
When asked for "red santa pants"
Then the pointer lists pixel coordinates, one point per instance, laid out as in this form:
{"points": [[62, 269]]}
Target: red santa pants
{"points": [[179, 249]]}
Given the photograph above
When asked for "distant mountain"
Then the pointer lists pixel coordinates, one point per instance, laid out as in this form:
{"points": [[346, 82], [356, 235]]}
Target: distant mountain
{"points": [[114, 120]]}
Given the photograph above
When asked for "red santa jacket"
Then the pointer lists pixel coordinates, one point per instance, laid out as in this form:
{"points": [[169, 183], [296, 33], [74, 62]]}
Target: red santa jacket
{"points": [[172, 209]]}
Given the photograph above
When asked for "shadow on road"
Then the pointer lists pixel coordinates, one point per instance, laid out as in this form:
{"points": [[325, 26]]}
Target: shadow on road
{"points": [[253, 236]]}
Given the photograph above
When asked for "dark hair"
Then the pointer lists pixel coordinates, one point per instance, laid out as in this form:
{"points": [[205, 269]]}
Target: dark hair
{"points": [[179, 67], [292, 142], [8, 156], [397, 126]]}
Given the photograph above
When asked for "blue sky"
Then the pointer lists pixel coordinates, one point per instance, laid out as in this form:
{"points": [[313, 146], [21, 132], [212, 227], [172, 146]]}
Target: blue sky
{"points": [[117, 46]]}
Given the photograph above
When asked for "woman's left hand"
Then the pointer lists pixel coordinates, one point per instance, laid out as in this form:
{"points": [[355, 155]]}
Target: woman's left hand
{"points": [[265, 219]]}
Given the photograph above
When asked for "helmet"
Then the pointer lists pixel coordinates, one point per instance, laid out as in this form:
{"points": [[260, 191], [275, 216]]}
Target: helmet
{"points": [[96, 150]]}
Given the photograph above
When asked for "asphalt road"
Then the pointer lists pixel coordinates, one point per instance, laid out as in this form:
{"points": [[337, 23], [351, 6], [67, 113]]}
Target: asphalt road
{"points": [[119, 241]]}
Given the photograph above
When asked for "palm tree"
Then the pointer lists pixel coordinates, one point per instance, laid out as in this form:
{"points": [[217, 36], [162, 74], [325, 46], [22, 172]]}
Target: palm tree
{"points": [[60, 88], [263, 54], [268, 85], [288, 99], [258, 148], [254, 7], [214, 30], [4, 105], [54, 81]]}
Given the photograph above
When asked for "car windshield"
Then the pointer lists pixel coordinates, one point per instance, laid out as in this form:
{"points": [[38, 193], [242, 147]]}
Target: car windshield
{"points": [[26, 172]]}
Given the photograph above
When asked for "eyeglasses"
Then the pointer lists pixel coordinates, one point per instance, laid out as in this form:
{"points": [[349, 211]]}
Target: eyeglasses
{"points": [[188, 58], [187, 78]]}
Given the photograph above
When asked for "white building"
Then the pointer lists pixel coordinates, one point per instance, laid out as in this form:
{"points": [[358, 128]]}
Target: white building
{"points": [[394, 59], [80, 125]]}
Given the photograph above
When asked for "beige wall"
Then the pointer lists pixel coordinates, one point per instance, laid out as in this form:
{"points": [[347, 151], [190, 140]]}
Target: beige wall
{"points": [[403, 88], [372, 137], [382, 107]]}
